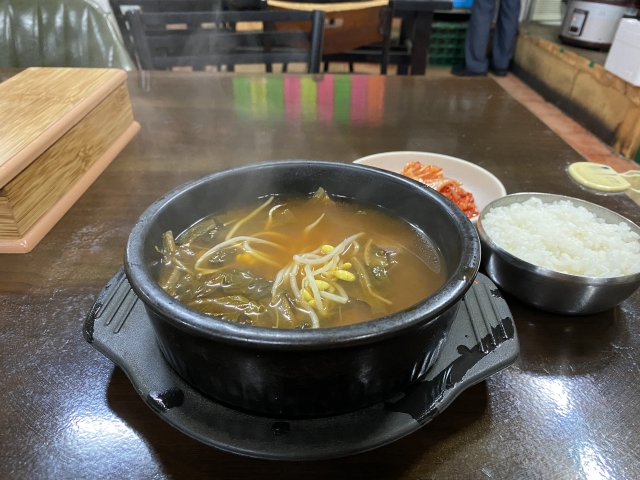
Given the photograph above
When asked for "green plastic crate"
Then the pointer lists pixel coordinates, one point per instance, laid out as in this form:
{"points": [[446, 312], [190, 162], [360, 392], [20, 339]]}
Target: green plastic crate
{"points": [[447, 43]]}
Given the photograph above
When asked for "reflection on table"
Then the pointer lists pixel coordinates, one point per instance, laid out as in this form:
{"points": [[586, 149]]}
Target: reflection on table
{"points": [[353, 99]]}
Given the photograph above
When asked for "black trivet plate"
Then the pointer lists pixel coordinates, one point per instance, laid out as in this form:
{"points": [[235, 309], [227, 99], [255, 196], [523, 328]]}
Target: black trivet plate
{"points": [[482, 341]]}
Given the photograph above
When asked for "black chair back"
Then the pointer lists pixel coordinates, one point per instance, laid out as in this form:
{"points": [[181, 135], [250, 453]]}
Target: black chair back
{"points": [[120, 7], [198, 39]]}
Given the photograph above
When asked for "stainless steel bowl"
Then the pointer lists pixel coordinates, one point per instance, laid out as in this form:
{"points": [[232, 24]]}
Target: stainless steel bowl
{"points": [[546, 289]]}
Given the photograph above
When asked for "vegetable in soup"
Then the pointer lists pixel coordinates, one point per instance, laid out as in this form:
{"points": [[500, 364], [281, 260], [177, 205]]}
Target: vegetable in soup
{"points": [[300, 263]]}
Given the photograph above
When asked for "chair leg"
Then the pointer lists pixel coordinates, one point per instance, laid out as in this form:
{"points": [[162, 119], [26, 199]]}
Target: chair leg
{"points": [[387, 22], [350, 67], [421, 41], [317, 41], [406, 34], [284, 67], [326, 67], [268, 44]]}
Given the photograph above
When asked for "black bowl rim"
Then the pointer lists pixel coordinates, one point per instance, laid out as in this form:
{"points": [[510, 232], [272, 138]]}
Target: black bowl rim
{"points": [[190, 320], [544, 273]]}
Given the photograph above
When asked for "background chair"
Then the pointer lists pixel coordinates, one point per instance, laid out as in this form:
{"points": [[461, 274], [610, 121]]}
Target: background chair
{"points": [[198, 39], [349, 27], [120, 7], [59, 33]]}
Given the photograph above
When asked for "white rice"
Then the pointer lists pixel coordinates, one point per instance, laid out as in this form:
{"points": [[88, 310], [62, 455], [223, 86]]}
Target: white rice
{"points": [[565, 238]]}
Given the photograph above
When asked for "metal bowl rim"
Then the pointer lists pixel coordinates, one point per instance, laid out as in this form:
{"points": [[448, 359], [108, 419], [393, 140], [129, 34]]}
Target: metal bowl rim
{"points": [[543, 271]]}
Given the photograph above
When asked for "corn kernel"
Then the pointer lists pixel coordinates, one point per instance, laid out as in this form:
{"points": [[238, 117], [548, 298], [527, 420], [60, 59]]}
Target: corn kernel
{"points": [[326, 249], [322, 285], [344, 275], [246, 258], [307, 296]]}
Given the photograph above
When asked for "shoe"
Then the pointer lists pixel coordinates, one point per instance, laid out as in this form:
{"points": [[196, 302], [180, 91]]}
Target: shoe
{"points": [[461, 71], [499, 73]]}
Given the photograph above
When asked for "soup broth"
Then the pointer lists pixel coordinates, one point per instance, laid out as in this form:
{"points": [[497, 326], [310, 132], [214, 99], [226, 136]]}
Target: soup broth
{"points": [[300, 263]]}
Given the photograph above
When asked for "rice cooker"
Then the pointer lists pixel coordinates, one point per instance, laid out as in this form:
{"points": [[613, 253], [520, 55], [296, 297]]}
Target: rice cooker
{"points": [[593, 23]]}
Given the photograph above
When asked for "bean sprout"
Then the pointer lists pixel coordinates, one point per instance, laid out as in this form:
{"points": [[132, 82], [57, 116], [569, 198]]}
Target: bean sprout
{"points": [[335, 298], [294, 282], [258, 255], [336, 251], [308, 228], [248, 217], [234, 241], [314, 288]]}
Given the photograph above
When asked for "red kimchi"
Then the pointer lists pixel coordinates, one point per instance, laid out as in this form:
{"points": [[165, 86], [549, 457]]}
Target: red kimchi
{"points": [[433, 177]]}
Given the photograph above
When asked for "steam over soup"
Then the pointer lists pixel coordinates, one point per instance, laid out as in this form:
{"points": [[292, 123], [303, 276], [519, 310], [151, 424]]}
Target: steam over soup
{"points": [[300, 263]]}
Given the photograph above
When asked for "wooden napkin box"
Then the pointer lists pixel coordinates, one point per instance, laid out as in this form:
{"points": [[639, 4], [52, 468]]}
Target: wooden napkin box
{"points": [[59, 129]]}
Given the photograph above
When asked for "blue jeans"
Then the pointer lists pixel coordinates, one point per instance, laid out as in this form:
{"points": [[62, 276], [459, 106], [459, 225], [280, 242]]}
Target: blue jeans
{"points": [[504, 36]]}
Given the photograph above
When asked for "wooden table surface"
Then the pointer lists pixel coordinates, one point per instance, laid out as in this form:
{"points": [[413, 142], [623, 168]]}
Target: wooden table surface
{"points": [[568, 408]]}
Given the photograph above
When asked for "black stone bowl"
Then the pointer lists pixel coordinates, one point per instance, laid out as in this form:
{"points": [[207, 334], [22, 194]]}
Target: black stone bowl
{"points": [[303, 372]]}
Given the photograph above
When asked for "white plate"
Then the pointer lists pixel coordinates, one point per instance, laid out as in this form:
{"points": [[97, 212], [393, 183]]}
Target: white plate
{"points": [[484, 186]]}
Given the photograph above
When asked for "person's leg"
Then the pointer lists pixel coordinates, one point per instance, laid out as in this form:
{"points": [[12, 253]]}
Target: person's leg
{"points": [[504, 36], [475, 51]]}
